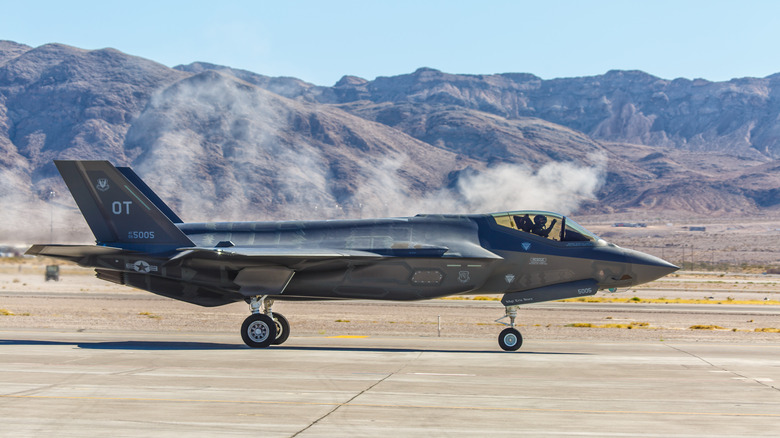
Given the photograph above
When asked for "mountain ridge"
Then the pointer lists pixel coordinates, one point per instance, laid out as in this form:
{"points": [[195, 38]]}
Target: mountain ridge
{"points": [[258, 147]]}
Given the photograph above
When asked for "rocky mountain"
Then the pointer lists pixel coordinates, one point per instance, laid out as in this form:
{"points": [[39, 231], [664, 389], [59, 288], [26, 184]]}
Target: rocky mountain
{"points": [[737, 116], [220, 143]]}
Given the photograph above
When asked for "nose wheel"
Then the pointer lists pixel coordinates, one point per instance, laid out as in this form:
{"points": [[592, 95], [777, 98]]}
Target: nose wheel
{"points": [[510, 338]]}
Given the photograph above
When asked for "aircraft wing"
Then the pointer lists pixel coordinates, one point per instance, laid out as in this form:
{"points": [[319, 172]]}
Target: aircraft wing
{"points": [[281, 255], [268, 270]]}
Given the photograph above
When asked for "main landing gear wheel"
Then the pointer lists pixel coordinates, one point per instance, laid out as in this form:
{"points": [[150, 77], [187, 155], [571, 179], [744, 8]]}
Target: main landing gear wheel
{"points": [[510, 339], [258, 330], [282, 329]]}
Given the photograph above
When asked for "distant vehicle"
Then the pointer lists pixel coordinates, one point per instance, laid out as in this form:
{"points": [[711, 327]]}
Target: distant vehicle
{"points": [[9, 251], [528, 256], [53, 272], [630, 224]]}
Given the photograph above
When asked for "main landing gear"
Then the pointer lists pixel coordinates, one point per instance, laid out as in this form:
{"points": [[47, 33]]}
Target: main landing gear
{"points": [[510, 338], [261, 330]]}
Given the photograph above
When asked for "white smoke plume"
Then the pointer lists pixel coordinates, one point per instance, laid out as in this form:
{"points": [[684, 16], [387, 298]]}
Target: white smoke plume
{"points": [[239, 136], [558, 187], [27, 216]]}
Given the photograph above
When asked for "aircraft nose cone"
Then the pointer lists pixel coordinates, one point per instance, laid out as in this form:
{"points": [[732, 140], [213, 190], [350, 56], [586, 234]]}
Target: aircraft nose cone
{"points": [[646, 268]]}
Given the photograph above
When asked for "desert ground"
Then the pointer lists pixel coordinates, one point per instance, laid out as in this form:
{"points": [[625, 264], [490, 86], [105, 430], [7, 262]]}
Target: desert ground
{"points": [[746, 243], [689, 305], [728, 289]]}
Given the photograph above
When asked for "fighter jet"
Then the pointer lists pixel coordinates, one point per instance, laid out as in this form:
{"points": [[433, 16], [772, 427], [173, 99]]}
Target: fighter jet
{"points": [[528, 256]]}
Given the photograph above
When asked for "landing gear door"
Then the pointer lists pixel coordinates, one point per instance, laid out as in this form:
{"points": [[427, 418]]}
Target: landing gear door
{"points": [[263, 280], [551, 293]]}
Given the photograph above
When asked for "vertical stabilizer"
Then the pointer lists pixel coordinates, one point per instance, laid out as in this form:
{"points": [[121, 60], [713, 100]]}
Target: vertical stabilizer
{"points": [[119, 213], [146, 190]]}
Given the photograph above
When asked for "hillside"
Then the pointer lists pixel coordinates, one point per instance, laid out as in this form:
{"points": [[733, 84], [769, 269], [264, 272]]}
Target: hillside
{"points": [[220, 143]]}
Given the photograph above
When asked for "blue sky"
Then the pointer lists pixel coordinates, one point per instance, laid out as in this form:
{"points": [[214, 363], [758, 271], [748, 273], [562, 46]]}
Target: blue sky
{"points": [[320, 41]]}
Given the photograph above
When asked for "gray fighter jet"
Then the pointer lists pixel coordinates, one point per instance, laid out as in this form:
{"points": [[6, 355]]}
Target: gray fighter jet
{"points": [[528, 256]]}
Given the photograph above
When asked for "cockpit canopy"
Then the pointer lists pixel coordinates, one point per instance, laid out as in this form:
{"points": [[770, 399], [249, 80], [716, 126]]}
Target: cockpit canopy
{"points": [[552, 226]]}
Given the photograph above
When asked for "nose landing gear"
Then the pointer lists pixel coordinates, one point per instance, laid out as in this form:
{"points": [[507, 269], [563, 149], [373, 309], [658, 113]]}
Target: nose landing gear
{"points": [[510, 338]]}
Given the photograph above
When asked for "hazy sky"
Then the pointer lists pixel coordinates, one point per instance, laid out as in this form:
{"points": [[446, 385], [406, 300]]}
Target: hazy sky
{"points": [[320, 41]]}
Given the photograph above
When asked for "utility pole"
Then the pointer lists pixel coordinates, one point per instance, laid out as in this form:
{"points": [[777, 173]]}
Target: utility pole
{"points": [[50, 197]]}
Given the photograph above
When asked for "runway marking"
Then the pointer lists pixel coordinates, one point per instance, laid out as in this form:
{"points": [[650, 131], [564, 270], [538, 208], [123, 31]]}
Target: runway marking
{"points": [[374, 405], [346, 337], [757, 379], [442, 374]]}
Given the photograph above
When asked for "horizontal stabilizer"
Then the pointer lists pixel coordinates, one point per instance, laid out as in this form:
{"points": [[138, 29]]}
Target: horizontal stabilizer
{"points": [[72, 251]]}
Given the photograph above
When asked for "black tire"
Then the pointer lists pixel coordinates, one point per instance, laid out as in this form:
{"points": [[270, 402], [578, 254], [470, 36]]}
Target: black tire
{"points": [[510, 339], [282, 329], [258, 330]]}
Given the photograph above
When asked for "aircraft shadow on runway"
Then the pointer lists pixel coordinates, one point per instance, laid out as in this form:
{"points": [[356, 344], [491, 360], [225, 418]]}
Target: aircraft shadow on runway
{"points": [[133, 345], [417, 350], [175, 345]]}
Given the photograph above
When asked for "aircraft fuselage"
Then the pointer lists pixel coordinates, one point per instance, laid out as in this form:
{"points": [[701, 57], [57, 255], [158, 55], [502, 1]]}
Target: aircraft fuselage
{"points": [[459, 256]]}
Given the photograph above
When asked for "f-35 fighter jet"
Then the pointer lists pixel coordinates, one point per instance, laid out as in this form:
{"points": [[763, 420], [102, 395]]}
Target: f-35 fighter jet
{"points": [[528, 256]]}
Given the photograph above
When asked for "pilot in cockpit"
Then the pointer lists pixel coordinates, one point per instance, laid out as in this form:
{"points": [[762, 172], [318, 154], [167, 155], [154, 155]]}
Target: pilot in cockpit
{"points": [[524, 223], [539, 226]]}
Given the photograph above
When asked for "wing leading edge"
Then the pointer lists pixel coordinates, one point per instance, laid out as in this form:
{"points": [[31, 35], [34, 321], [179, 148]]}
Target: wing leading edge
{"points": [[282, 254]]}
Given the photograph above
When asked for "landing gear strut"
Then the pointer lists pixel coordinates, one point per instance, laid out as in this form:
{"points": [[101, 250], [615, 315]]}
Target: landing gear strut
{"points": [[510, 338], [261, 330]]}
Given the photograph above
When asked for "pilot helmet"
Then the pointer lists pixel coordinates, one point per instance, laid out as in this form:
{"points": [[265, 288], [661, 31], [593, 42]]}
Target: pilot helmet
{"points": [[540, 219]]}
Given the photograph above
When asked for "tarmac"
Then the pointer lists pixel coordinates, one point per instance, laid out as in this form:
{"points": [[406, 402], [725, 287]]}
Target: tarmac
{"points": [[163, 384]]}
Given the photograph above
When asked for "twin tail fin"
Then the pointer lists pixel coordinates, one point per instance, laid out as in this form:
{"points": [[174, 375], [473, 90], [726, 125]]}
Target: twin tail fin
{"points": [[122, 210]]}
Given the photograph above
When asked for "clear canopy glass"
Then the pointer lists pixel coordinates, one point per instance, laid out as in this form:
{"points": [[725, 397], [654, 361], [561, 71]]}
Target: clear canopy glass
{"points": [[545, 224]]}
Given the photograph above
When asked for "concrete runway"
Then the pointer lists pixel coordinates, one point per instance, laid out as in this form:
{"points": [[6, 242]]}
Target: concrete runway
{"points": [[100, 383]]}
